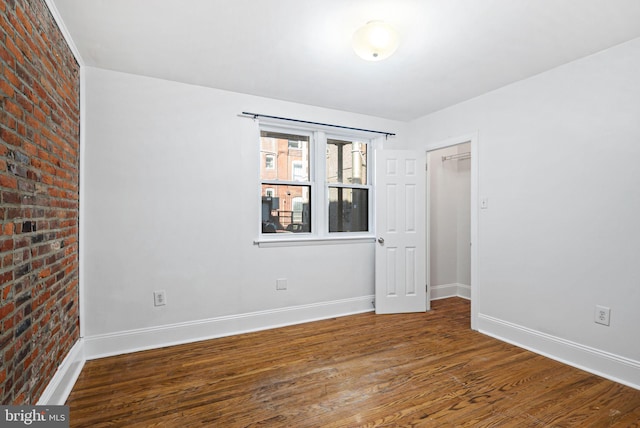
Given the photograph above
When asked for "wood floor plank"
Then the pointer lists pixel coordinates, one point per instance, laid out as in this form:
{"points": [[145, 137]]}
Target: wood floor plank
{"points": [[367, 370]]}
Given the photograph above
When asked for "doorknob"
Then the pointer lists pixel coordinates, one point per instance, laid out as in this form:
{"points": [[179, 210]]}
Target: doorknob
{"points": [[381, 240]]}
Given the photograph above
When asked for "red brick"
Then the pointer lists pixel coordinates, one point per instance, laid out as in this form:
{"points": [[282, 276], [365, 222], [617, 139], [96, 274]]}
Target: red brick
{"points": [[24, 20], [16, 26], [33, 122], [10, 137], [6, 309], [20, 399], [15, 51], [10, 198], [25, 49], [6, 245], [13, 108], [6, 25], [11, 77], [6, 181], [25, 103], [39, 114], [8, 323], [6, 88], [30, 148], [8, 228]]}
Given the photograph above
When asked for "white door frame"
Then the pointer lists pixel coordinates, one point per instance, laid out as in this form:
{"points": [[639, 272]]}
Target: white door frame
{"points": [[473, 140]]}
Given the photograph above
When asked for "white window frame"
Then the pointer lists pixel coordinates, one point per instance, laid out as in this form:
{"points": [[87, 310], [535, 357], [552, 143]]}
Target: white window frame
{"points": [[319, 190]]}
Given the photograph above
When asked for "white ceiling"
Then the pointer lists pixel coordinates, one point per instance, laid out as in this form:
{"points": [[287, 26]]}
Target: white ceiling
{"points": [[300, 50]]}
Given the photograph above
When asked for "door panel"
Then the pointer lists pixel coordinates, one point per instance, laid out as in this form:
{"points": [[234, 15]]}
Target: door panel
{"points": [[400, 225]]}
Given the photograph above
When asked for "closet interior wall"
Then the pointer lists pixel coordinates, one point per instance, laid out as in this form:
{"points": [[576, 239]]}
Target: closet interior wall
{"points": [[449, 211]]}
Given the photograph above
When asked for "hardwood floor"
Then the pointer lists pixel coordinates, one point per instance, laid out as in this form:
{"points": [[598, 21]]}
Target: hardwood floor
{"points": [[408, 370]]}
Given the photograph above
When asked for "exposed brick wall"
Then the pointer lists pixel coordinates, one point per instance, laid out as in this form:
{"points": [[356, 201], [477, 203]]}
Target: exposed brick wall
{"points": [[39, 159]]}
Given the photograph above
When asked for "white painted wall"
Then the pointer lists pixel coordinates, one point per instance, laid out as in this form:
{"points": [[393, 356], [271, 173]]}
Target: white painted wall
{"points": [[442, 219], [558, 161], [463, 216], [449, 188], [171, 203]]}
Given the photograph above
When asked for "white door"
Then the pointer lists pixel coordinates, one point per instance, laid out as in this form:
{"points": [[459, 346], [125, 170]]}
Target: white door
{"points": [[400, 226]]}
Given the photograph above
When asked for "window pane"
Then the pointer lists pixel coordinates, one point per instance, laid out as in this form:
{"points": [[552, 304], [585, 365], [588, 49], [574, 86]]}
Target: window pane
{"points": [[284, 156], [348, 210], [286, 209], [269, 161], [346, 162]]}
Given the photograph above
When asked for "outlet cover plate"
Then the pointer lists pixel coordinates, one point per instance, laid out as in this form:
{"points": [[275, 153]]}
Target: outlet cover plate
{"points": [[281, 284], [159, 298], [602, 315]]}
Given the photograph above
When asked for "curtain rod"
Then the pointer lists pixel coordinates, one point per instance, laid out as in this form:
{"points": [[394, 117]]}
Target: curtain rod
{"points": [[257, 115]]}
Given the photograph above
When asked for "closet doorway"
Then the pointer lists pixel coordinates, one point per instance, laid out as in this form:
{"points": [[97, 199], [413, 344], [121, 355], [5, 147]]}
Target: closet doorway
{"points": [[449, 221]]}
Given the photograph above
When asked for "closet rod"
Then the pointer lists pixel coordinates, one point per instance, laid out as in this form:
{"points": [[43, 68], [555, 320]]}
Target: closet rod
{"points": [[257, 115], [459, 156]]}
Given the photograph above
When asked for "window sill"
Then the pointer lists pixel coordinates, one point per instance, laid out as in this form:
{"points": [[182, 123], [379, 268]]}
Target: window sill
{"points": [[312, 240]]}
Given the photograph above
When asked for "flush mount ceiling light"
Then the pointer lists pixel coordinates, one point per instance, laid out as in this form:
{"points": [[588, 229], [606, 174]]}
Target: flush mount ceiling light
{"points": [[375, 41]]}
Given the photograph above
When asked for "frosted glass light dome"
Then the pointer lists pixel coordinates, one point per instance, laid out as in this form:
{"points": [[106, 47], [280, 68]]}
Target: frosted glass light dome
{"points": [[375, 41]]}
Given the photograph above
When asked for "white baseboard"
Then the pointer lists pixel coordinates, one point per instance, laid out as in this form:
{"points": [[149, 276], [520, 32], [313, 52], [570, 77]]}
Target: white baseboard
{"points": [[60, 386], [123, 342], [445, 291], [464, 291], [614, 367]]}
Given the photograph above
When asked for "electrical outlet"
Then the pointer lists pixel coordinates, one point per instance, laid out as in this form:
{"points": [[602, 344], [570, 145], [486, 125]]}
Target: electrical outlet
{"points": [[281, 284], [159, 298], [602, 315]]}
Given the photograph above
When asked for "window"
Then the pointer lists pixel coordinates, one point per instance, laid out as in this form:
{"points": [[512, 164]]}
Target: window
{"points": [[269, 161], [297, 206], [348, 186], [295, 144], [322, 196], [297, 171], [286, 204]]}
